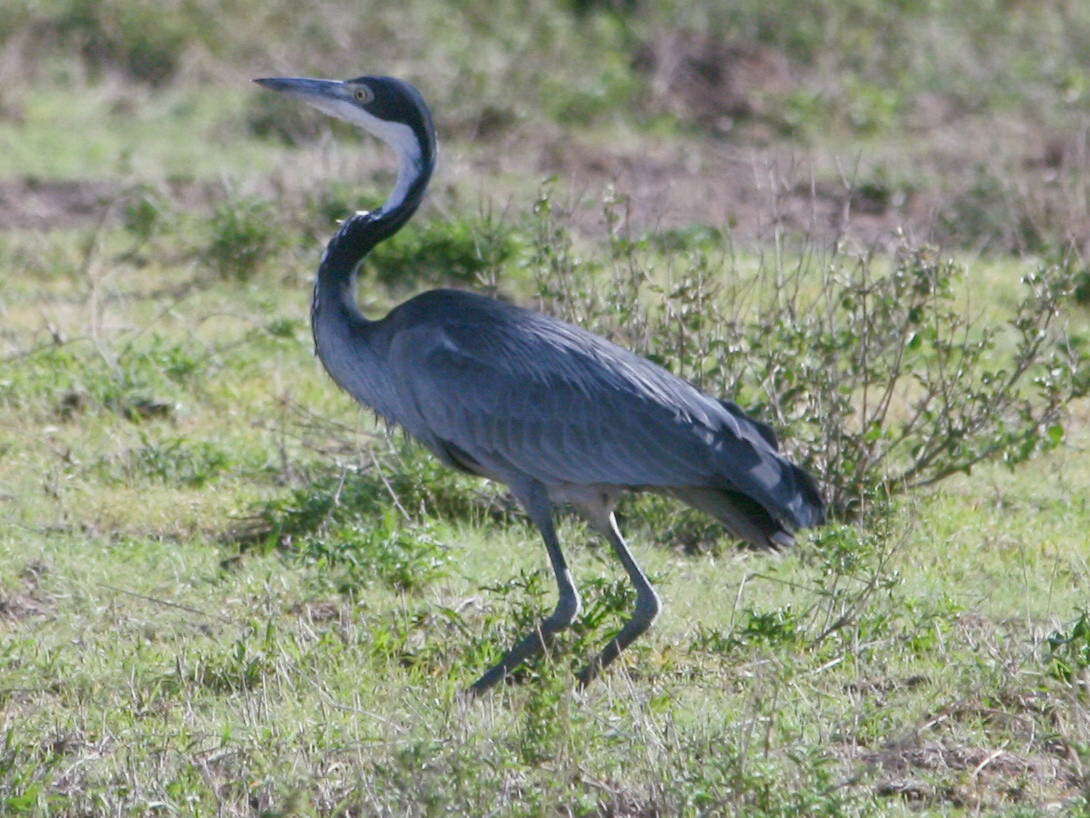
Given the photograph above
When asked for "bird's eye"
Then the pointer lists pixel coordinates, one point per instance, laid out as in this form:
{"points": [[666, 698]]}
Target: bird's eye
{"points": [[363, 94]]}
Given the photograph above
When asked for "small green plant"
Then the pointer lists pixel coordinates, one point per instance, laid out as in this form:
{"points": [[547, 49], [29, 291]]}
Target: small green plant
{"points": [[240, 666], [544, 722], [244, 235], [335, 200], [143, 214], [178, 461], [1082, 286], [353, 524], [1069, 650], [270, 116], [140, 380], [720, 779], [773, 628], [526, 592], [413, 482], [404, 557], [987, 214], [605, 600]]}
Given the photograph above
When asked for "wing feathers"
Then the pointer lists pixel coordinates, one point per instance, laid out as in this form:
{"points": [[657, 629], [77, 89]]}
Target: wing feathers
{"points": [[564, 406]]}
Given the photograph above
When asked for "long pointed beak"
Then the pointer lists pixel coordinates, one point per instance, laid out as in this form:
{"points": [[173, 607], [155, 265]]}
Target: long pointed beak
{"points": [[328, 96], [308, 89]]}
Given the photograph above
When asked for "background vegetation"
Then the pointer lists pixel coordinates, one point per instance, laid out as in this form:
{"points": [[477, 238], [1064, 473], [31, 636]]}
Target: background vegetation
{"points": [[224, 590]]}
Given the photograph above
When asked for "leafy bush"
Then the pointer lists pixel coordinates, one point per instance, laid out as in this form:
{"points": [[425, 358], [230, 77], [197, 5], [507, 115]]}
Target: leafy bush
{"points": [[244, 234], [457, 250], [880, 379], [143, 39]]}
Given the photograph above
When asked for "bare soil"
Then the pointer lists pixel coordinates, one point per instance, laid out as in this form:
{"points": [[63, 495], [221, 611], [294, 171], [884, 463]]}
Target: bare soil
{"points": [[34, 204]]}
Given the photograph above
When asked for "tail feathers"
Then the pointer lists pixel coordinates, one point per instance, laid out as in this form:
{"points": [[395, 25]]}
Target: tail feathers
{"points": [[809, 508], [763, 429], [743, 518], [784, 491]]}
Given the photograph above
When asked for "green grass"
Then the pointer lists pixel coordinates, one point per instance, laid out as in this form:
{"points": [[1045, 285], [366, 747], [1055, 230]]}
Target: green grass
{"points": [[268, 682], [226, 590]]}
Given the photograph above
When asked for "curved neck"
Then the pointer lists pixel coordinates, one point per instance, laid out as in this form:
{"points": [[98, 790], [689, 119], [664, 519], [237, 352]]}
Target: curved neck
{"points": [[343, 338], [362, 231]]}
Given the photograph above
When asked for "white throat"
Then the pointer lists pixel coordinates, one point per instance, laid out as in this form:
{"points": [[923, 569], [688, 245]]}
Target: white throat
{"points": [[408, 165], [398, 136]]}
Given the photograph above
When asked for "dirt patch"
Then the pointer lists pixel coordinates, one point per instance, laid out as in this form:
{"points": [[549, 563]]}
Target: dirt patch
{"points": [[713, 83], [931, 772], [756, 194], [35, 204], [319, 612], [24, 603], [19, 606], [984, 188], [29, 203], [753, 193]]}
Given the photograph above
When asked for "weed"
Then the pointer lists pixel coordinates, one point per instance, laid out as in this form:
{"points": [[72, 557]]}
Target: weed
{"points": [[335, 200], [177, 461], [271, 116], [528, 591], [545, 719], [141, 380], [404, 557], [350, 524], [238, 670], [1082, 287], [696, 237], [412, 483], [605, 601], [722, 780], [240, 666], [777, 627], [989, 215]]}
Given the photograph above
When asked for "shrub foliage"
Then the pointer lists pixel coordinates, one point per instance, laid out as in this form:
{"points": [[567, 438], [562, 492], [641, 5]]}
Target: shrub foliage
{"points": [[879, 373]]}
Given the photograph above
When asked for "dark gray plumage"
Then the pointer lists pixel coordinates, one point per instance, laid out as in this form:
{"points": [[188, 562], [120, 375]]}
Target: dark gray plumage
{"points": [[553, 411]]}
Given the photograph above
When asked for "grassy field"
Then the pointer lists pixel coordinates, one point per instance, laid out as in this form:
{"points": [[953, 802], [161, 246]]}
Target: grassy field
{"points": [[225, 590]]}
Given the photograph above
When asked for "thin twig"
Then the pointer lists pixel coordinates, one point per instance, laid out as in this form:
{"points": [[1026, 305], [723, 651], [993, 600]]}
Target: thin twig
{"points": [[389, 488], [168, 603]]}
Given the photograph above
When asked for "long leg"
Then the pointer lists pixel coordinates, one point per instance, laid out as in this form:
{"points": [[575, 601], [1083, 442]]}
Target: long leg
{"points": [[647, 605], [537, 505]]}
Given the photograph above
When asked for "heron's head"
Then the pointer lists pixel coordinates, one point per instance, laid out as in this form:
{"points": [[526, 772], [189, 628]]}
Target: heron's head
{"points": [[387, 107]]}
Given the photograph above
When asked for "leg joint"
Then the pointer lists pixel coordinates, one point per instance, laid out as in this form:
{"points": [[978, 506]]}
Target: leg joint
{"points": [[567, 608], [648, 606]]}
